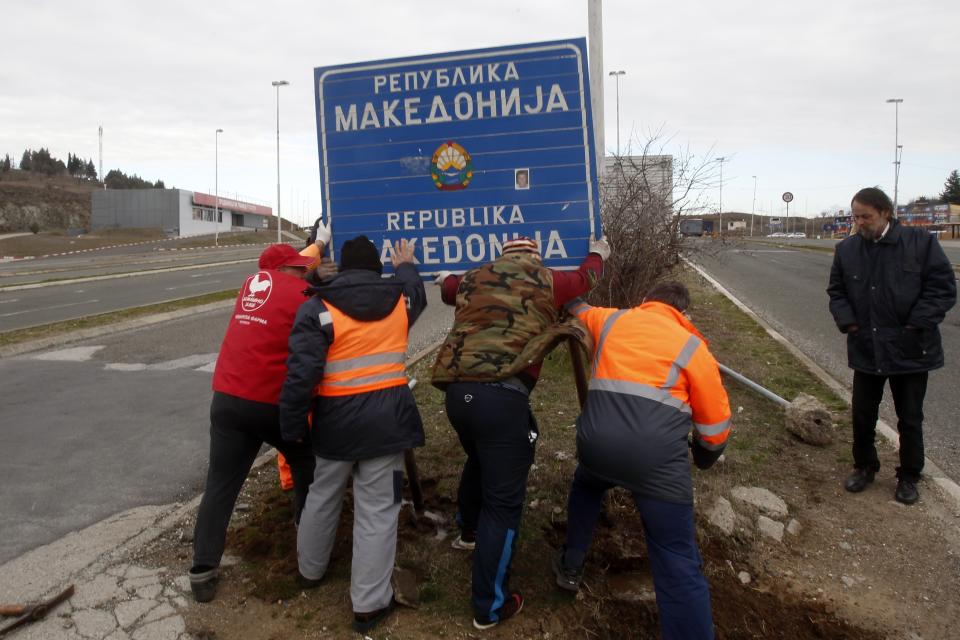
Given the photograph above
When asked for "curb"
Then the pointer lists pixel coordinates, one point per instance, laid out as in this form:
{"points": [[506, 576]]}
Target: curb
{"points": [[950, 488]]}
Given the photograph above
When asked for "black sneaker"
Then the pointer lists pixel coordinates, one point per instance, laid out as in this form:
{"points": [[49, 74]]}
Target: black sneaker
{"points": [[511, 607], [858, 480], [906, 492], [568, 578], [307, 583], [363, 622], [203, 582]]}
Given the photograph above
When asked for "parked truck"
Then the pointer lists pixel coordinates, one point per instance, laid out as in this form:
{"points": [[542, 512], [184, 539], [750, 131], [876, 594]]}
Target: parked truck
{"points": [[696, 227]]}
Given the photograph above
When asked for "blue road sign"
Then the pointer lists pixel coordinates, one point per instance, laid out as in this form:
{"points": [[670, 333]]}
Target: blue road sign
{"points": [[459, 152]]}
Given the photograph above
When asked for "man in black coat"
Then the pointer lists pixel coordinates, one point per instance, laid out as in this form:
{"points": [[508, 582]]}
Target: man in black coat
{"points": [[890, 286]]}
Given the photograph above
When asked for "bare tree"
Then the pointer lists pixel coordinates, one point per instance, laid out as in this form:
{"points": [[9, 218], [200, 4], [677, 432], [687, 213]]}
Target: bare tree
{"points": [[642, 200]]}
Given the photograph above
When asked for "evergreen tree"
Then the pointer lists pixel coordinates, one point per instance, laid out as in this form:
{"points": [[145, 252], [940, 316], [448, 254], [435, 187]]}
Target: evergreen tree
{"points": [[951, 188], [26, 162], [90, 170], [7, 163]]}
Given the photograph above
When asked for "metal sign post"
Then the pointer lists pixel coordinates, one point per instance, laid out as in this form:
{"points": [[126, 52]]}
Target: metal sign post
{"points": [[460, 152], [788, 198]]}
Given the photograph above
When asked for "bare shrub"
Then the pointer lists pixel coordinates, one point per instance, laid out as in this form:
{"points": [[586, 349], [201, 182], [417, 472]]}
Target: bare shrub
{"points": [[642, 199]]}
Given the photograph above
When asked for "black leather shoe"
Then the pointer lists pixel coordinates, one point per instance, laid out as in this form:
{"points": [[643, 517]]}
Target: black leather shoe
{"points": [[858, 480], [906, 492]]}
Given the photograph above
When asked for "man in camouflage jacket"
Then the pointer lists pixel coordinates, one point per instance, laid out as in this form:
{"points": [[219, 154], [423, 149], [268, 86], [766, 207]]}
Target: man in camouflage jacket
{"points": [[506, 321]]}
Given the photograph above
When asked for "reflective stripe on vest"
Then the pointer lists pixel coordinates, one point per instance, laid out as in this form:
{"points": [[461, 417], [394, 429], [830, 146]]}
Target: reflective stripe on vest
{"points": [[365, 356]]}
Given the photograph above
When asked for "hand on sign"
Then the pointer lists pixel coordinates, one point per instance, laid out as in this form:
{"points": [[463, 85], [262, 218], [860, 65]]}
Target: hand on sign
{"points": [[401, 253], [600, 247], [323, 234], [327, 269], [443, 275]]}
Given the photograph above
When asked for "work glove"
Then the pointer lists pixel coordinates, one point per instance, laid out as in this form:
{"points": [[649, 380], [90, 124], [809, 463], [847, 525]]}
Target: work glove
{"points": [[600, 247], [443, 275], [323, 234]]}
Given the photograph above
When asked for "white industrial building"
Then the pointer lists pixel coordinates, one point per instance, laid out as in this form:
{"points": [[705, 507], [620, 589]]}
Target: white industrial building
{"points": [[176, 211]]}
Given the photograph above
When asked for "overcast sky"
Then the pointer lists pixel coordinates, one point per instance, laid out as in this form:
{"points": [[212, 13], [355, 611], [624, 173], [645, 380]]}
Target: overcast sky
{"points": [[793, 93]]}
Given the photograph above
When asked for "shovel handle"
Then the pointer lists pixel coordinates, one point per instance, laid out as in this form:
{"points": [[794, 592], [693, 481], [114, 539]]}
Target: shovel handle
{"points": [[12, 609]]}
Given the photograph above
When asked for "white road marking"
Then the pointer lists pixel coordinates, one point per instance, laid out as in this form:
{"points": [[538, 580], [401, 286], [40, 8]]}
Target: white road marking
{"points": [[10, 300], [198, 362], [56, 306], [215, 273], [193, 284], [73, 354]]}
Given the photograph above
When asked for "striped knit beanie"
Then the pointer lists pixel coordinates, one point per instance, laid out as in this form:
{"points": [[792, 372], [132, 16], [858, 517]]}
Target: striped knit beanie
{"points": [[520, 245]]}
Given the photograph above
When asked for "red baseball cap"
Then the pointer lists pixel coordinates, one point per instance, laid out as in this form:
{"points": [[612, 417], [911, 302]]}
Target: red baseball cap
{"points": [[283, 255]]}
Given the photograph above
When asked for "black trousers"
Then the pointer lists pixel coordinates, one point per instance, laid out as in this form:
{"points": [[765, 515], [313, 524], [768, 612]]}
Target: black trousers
{"points": [[498, 434], [238, 428], [908, 392]]}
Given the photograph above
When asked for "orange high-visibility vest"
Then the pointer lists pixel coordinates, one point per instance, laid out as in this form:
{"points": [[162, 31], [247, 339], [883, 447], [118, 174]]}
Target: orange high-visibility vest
{"points": [[658, 355], [365, 356]]}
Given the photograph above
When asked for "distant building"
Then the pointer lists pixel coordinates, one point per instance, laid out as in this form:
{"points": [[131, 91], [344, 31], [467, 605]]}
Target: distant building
{"points": [[657, 173], [924, 214], [175, 211]]}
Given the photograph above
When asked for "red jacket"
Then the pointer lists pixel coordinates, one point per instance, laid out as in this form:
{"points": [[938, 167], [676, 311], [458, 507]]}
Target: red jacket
{"points": [[253, 357]]}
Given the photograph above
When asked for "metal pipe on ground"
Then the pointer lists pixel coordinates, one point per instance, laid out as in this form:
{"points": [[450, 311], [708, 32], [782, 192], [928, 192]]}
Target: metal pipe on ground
{"points": [[747, 382]]}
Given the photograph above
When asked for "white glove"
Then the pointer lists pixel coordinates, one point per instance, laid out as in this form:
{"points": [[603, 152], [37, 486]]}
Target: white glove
{"points": [[323, 234], [600, 247], [443, 275]]}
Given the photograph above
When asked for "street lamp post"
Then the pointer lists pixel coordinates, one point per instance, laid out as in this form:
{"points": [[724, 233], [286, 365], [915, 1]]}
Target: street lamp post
{"points": [[216, 187], [278, 84], [616, 75], [721, 160], [896, 149], [753, 207]]}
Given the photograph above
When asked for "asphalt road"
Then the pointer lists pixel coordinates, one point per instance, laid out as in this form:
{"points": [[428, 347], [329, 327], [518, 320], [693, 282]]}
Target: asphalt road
{"points": [[950, 247], [24, 308], [118, 260], [116, 422], [787, 288]]}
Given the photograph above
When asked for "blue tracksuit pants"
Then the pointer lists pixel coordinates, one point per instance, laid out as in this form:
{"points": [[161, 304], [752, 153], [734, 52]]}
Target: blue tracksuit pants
{"points": [[683, 596]]}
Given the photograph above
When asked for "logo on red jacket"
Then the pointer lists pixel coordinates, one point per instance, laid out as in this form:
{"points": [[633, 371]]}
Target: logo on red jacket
{"points": [[256, 291]]}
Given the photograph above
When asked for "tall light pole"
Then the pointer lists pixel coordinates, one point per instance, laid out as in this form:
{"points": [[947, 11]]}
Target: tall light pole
{"points": [[278, 84], [753, 207], [721, 160], [216, 187], [100, 132], [896, 149], [616, 75]]}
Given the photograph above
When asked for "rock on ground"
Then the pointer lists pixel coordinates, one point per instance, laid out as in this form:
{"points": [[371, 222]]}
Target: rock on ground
{"points": [[770, 528], [762, 499], [809, 420], [722, 516]]}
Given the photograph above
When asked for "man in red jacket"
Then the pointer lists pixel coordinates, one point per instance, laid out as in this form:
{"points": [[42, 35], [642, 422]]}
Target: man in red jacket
{"points": [[250, 371]]}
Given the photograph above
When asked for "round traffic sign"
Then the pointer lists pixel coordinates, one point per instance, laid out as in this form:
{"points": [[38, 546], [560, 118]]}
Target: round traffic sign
{"points": [[787, 196]]}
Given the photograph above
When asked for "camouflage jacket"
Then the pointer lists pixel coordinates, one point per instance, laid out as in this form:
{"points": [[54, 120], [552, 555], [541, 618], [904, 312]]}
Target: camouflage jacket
{"points": [[505, 321]]}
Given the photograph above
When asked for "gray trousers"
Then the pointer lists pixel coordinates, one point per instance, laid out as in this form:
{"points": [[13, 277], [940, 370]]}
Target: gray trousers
{"points": [[377, 485]]}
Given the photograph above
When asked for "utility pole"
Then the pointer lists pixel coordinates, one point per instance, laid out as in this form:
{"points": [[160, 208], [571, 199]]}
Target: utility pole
{"points": [[721, 160], [102, 177], [896, 149], [616, 75], [753, 207], [595, 60], [216, 187], [278, 84]]}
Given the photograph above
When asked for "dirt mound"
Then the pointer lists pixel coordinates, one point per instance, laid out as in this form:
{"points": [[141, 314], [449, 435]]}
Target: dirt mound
{"points": [[618, 591]]}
